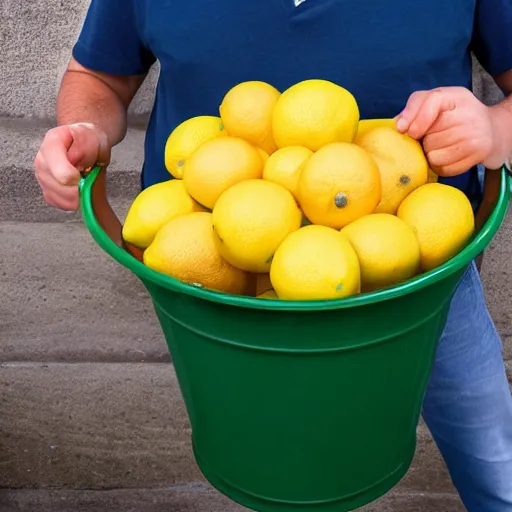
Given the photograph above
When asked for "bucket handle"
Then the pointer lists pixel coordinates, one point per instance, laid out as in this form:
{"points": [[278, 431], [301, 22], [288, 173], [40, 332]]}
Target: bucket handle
{"points": [[105, 215], [491, 194]]}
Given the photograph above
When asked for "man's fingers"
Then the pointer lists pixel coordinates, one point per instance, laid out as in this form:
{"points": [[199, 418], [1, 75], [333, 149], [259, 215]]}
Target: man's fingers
{"points": [[65, 151], [447, 155], [410, 111], [455, 168], [68, 204], [61, 196], [441, 139], [455, 159], [55, 150], [422, 113], [90, 146], [437, 103]]}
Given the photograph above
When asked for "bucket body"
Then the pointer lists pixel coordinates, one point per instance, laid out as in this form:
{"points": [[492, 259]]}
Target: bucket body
{"points": [[301, 405], [305, 410]]}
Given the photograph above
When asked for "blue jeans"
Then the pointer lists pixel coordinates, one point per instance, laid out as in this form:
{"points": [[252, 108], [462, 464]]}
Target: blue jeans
{"points": [[468, 404]]}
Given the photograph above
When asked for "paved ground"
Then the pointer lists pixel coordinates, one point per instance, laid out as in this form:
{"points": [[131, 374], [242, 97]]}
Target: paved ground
{"points": [[91, 416]]}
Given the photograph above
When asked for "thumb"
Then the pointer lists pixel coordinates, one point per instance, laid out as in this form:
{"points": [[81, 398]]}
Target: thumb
{"points": [[90, 146], [410, 111]]}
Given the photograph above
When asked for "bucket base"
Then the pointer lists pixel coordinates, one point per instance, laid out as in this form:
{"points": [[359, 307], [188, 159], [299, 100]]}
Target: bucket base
{"points": [[345, 504]]}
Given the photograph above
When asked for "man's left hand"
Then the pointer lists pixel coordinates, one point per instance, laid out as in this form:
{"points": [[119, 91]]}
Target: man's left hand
{"points": [[456, 129]]}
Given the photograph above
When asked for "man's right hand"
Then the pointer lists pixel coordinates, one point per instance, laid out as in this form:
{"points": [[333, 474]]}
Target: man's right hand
{"points": [[66, 150]]}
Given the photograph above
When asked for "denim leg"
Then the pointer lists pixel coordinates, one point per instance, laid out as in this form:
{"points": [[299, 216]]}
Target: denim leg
{"points": [[468, 404]]}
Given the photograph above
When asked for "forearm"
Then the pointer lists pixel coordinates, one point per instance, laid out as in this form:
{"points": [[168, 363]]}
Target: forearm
{"points": [[502, 117], [84, 97]]}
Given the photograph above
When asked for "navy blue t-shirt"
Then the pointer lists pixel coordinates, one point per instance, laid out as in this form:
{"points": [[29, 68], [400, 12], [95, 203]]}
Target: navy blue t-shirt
{"points": [[380, 50]]}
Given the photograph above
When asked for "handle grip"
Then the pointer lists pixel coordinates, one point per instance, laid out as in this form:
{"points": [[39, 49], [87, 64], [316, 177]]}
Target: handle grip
{"points": [[96, 178]]}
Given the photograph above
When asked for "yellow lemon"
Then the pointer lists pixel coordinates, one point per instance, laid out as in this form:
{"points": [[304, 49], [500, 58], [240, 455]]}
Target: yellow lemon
{"points": [[339, 184], [264, 155], [315, 262], [186, 138], [402, 164], [443, 220], [314, 113], [185, 249], [153, 207], [246, 111], [284, 166], [368, 124], [387, 248], [251, 219], [217, 165]]}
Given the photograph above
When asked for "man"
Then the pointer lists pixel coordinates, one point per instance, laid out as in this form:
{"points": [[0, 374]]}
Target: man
{"points": [[402, 58]]}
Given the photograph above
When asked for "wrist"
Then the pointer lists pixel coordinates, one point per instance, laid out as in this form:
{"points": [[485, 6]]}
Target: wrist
{"points": [[501, 128]]}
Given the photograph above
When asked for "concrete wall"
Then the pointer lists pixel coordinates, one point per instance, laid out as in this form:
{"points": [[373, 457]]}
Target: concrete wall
{"points": [[35, 40]]}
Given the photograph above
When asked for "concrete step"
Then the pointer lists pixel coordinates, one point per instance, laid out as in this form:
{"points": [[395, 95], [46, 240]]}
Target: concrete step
{"points": [[64, 299], [123, 426], [187, 499], [20, 195], [73, 302]]}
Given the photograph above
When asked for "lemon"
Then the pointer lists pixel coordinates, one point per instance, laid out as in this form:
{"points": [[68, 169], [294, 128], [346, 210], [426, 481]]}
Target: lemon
{"points": [[251, 219], [339, 184], [153, 207], [402, 164], [217, 165], [186, 138], [269, 294], [387, 248], [315, 262], [264, 155], [246, 111], [368, 124], [314, 113], [185, 249], [284, 166], [443, 220]]}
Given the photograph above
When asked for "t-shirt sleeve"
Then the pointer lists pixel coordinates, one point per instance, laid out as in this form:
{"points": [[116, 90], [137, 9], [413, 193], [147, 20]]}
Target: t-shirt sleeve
{"points": [[492, 36], [110, 40]]}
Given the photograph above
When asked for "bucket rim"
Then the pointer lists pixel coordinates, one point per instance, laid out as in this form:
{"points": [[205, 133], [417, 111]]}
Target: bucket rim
{"points": [[478, 243]]}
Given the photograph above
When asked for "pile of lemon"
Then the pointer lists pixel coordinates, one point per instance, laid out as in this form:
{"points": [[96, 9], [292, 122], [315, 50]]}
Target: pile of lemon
{"points": [[291, 196]]}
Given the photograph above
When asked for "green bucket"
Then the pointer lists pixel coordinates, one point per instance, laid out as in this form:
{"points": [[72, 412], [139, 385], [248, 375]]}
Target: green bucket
{"points": [[303, 406]]}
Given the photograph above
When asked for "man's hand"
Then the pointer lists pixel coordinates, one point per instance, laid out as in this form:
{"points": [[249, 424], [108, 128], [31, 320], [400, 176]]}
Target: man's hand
{"points": [[456, 129], [65, 151]]}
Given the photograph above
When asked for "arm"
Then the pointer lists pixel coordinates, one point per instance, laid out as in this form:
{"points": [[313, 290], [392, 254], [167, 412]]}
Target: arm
{"points": [[91, 117], [98, 98], [110, 61], [503, 115]]}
